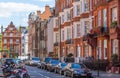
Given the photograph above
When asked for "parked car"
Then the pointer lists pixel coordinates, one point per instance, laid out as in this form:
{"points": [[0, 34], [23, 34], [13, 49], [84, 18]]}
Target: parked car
{"points": [[52, 65], [61, 68], [39, 65], [17, 61], [34, 61], [77, 70], [46, 61], [9, 60]]}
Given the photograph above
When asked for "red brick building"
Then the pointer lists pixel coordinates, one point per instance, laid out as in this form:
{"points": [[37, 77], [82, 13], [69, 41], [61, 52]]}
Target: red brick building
{"points": [[105, 13], [11, 39], [87, 28]]}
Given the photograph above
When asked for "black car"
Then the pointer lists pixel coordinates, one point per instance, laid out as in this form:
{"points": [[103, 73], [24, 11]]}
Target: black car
{"points": [[77, 70]]}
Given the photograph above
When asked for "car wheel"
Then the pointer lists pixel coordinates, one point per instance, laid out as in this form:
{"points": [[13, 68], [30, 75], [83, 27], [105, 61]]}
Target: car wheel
{"points": [[72, 76], [60, 72], [55, 70], [65, 74]]}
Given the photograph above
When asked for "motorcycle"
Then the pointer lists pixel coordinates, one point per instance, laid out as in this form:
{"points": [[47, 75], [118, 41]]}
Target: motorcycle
{"points": [[11, 72], [6, 69], [22, 72]]}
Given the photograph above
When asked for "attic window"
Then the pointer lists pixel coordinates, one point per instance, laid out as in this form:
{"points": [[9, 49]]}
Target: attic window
{"points": [[11, 29]]}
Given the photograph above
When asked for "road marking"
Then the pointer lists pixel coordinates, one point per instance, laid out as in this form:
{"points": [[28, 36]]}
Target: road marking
{"points": [[41, 74], [46, 77]]}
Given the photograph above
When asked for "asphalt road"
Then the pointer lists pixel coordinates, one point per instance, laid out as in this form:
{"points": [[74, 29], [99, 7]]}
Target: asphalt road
{"points": [[38, 73]]}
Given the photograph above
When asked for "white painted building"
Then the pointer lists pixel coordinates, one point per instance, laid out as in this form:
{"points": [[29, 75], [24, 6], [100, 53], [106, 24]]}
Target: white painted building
{"points": [[24, 41], [50, 35]]}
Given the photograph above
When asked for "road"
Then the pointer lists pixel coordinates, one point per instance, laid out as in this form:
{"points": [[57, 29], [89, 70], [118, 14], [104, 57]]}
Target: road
{"points": [[38, 73]]}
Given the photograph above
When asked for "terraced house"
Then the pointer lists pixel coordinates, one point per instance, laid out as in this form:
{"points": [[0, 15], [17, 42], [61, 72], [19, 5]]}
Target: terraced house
{"points": [[87, 28], [84, 28], [74, 23]]}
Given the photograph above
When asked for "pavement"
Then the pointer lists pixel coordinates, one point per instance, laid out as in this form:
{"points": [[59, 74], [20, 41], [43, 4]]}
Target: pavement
{"points": [[103, 74]]}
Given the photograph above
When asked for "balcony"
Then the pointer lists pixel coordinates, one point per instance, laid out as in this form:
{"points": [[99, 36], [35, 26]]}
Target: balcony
{"points": [[77, 0], [114, 28], [100, 31], [69, 41], [108, 0], [89, 38], [115, 32], [101, 3], [56, 44]]}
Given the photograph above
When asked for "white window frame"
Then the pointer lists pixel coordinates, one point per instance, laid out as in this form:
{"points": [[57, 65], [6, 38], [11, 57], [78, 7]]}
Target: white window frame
{"points": [[115, 46], [11, 34], [11, 41], [105, 17], [114, 14], [99, 18], [105, 49], [5, 41]]}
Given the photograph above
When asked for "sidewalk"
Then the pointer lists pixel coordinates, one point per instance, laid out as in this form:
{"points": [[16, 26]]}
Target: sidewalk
{"points": [[103, 74]]}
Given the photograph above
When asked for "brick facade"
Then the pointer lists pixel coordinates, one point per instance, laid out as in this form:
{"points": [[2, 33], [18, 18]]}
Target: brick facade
{"points": [[11, 39], [95, 35]]}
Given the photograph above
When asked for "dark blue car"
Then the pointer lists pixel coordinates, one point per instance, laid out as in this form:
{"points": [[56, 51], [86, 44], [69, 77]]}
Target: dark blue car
{"points": [[77, 70], [46, 61], [52, 65]]}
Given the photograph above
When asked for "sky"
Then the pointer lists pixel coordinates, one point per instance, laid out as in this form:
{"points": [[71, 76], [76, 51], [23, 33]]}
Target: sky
{"points": [[18, 10]]}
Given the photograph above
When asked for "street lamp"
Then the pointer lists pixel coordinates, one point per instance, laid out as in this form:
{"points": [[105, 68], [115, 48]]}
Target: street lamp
{"points": [[98, 73]]}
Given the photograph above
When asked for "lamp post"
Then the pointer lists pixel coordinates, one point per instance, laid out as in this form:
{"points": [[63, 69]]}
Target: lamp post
{"points": [[98, 73], [60, 37]]}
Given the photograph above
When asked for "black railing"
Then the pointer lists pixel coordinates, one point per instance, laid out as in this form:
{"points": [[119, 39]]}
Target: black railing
{"points": [[77, 0], [56, 44], [69, 41]]}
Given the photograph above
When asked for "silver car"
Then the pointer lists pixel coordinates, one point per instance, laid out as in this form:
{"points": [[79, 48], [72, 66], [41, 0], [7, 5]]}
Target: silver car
{"points": [[34, 61]]}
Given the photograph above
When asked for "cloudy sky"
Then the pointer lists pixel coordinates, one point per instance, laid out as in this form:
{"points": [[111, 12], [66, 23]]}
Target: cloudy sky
{"points": [[18, 10]]}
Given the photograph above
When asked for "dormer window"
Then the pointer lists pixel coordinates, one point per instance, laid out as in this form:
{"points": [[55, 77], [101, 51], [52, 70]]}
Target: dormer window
{"points": [[11, 29]]}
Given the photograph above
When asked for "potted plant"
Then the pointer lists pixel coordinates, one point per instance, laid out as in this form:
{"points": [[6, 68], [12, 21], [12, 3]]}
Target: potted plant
{"points": [[113, 27], [70, 58], [113, 24]]}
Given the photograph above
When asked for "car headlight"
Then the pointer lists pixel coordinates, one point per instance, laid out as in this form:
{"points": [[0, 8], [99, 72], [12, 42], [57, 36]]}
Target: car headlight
{"points": [[75, 72], [31, 62]]}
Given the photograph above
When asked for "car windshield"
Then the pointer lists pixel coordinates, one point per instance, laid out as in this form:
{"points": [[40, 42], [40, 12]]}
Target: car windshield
{"points": [[9, 60], [74, 65], [36, 58], [47, 60], [63, 64], [54, 62]]}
